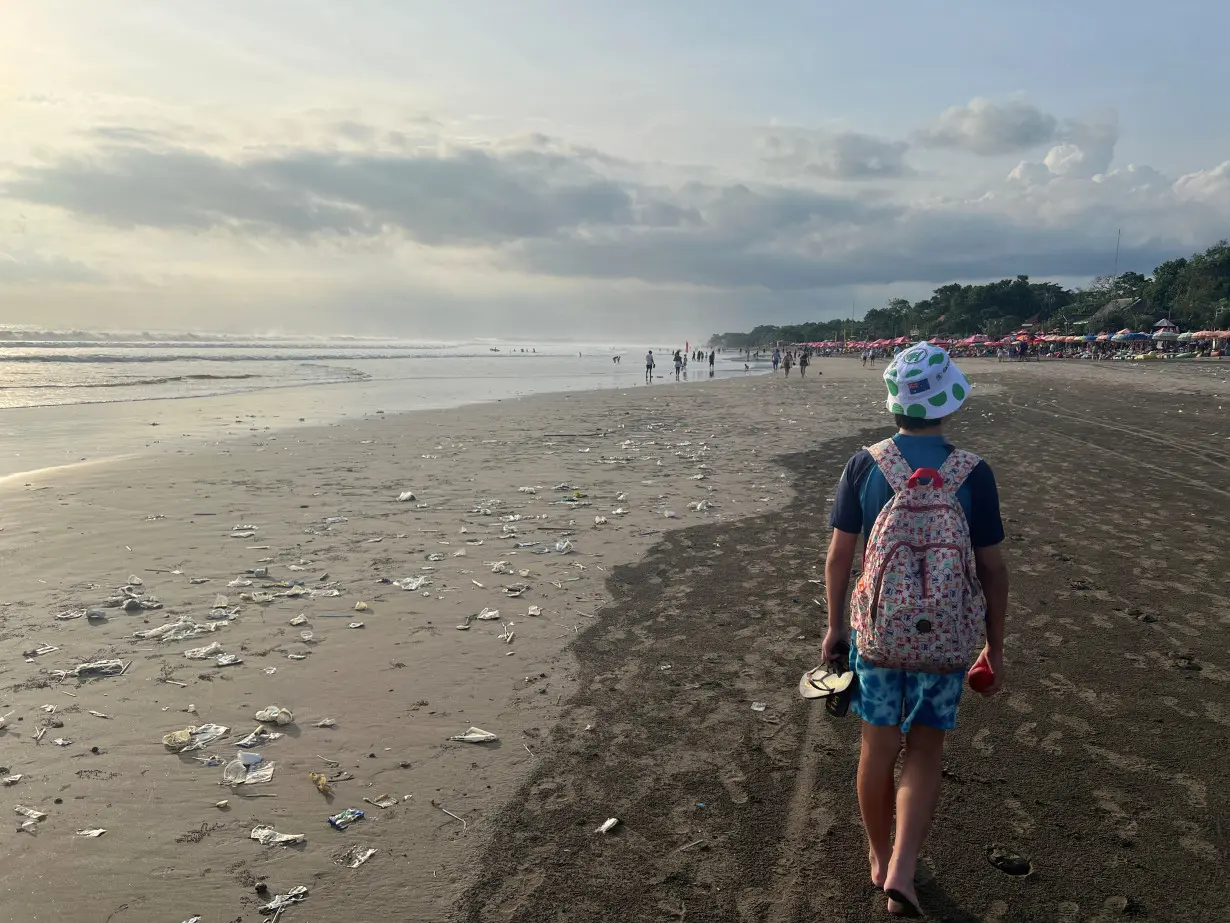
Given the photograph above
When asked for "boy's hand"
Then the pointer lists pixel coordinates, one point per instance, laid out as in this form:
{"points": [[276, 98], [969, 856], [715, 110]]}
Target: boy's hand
{"points": [[996, 663], [833, 639]]}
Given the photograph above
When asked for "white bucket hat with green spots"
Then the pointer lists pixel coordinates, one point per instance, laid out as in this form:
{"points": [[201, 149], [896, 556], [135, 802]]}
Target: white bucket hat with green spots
{"points": [[923, 382]]}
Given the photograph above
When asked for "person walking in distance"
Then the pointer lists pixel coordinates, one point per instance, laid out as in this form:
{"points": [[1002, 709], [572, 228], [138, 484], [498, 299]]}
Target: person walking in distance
{"points": [[804, 361], [918, 618], [712, 358], [649, 364]]}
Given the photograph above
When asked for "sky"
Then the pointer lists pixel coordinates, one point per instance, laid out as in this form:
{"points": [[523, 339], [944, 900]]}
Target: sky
{"points": [[589, 168]]}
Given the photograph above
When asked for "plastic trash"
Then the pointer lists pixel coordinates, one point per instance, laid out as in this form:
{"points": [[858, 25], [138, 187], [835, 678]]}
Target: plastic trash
{"points": [[360, 607], [488, 615], [412, 583], [194, 738], [100, 668], [327, 723], [476, 736], [608, 825], [228, 660], [563, 546], [11, 780], [181, 630], [759, 706], [600, 520], [406, 496], [306, 637], [356, 625], [274, 714], [250, 759], [534, 610], [261, 735], [344, 819], [236, 772], [321, 783], [204, 653], [299, 620], [293, 896], [515, 590], [94, 832], [355, 856], [63, 741], [267, 836], [29, 813]]}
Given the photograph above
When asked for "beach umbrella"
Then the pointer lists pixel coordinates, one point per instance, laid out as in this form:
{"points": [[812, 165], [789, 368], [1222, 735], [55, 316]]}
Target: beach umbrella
{"points": [[1102, 337], [1165, 335], [1187, 336]]}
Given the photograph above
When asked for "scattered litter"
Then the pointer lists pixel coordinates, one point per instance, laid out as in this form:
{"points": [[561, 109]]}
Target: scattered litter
{"points": [[515, 590], [293, 896], [534, 610], [360, 607], [182, 630], [670, 514], [327, 723], [98, 714], [73, 614], [306, 637], [608, 825], [464, 823], [12, 780], [355, 856], [267, 836], [95, 832], [296, 656], [344, 819], [223, 804], [488, 615], [412, 583], [101, 668], [476, 736], [240, 582], [759, 706], [228, 660], [269, 671], [356, 625], [299, 620], [258, 738], [238, 772], [563, 546], [321, 783], [194, 738], [383, 801], [242, 534], [406, 496], [204, 653], [29, 813], [63, 741], [275, 715], [600, 520]]}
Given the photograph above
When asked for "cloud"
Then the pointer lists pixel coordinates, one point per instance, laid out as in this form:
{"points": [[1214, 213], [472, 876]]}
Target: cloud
{"points": [[989, 128], [538, 207], [834, 155], [35, 269]]}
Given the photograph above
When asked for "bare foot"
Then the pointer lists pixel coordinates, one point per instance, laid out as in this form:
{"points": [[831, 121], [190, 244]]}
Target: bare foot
{"points": [[879, 868], [902, 898]]}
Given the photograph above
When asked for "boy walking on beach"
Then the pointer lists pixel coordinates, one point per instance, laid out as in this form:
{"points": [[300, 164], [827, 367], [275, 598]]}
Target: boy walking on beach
{"points": [[649, 363], [912, 609]]}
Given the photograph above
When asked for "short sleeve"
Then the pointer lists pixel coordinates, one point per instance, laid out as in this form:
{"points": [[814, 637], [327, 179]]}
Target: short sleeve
{"points": [[986, 528], [847, 514]]}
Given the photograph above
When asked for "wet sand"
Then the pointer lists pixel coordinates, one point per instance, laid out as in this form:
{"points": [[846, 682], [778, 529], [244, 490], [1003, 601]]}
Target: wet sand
{"points": [[1101, 764]]}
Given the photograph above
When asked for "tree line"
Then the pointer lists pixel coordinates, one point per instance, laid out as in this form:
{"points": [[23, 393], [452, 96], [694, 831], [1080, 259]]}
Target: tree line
{"points": [[1193, 291]]}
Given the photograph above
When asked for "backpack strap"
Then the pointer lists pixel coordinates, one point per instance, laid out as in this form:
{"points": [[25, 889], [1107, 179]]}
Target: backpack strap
{"points": [[892, 464], [957, 467]]}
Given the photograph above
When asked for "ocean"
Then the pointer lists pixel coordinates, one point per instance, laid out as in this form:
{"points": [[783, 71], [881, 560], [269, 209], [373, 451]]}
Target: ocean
{"points": [[71, 397]]}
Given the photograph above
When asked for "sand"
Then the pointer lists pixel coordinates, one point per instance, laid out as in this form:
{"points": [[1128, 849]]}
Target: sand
{"points": [[656, 633]]}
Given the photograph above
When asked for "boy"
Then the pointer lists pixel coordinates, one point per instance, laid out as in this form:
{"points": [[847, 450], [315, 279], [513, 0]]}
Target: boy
{"points": [[925, 388]]}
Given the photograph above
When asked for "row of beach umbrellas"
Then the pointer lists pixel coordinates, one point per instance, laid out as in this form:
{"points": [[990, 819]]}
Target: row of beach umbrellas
{"points": [[1162, 334]]}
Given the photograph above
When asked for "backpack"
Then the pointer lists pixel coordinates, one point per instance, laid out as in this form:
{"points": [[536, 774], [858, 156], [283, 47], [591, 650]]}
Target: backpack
{"points": [[918, 604]]}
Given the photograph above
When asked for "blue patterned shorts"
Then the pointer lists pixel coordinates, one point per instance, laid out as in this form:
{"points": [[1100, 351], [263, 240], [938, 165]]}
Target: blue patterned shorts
{"points": [[904, 698]]}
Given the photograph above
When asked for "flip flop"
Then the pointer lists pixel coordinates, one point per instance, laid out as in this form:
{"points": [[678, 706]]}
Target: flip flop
{"points": [[910, 908], [823, 681]]}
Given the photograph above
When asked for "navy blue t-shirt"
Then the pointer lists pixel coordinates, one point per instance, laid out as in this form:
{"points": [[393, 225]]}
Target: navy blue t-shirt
{"points": [[864, 490]]}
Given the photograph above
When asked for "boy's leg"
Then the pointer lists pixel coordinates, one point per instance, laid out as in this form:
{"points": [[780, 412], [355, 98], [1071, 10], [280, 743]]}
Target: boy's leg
{"points": [[917, 794], [876, 794]]}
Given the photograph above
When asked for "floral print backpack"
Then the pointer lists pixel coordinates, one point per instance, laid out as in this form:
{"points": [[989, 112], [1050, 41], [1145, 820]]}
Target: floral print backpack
{"points": [[918, 604]]}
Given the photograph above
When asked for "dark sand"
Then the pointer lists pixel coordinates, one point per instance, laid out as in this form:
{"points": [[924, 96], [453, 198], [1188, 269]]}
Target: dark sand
{"points": [[1104, 762]]}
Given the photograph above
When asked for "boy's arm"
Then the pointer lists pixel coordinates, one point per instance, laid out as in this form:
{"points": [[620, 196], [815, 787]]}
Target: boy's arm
{"points": [[993, 575], [836, 587]]}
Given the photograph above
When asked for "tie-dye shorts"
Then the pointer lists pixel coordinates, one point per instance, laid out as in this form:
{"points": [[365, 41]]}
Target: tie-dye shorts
{"points": [[904, 698]]}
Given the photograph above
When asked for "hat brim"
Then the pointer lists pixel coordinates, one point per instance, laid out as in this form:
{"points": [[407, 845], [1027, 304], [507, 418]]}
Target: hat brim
{"points": [[822, 682]]}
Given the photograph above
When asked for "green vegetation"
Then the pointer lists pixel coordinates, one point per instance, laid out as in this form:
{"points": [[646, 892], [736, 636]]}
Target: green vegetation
{"points": [[1194, 292]]}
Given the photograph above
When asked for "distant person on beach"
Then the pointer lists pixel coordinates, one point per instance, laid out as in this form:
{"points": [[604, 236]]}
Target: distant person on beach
{"points": [[787, 362], [924, 389], [712, 357], [777, 358], [804, 361], [649, 364], [678, 364]]}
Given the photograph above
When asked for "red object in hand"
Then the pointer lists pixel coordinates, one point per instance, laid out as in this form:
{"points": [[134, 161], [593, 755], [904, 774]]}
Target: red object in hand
{"points": [[980, 676]]}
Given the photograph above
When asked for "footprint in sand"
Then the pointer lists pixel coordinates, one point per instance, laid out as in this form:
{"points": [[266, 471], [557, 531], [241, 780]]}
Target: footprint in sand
{"points": [[1067, 912], [1072, 723], [981, 742], [1022, 823], [997, 912], [1050, 743], [1025, 734]]}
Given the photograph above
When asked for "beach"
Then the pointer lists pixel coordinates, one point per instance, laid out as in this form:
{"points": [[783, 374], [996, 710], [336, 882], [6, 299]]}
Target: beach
{"points": [[652, 553]]}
